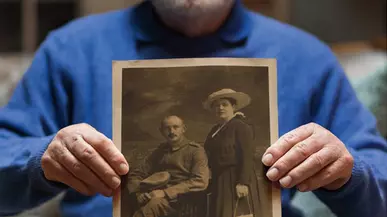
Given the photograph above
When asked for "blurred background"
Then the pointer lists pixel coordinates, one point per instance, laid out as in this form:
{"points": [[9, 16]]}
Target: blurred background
{"points": [[355, 29]]}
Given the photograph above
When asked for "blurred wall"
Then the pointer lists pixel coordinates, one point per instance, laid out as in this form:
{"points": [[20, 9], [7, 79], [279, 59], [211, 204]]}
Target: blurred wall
{"points": [[98, 6], [340, 20], [331, 20]]}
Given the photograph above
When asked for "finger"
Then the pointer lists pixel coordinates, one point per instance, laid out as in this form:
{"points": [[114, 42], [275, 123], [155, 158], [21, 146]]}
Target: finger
{"points": [[243, 194], [108, 151], [79, 170], [294, 157], [148, 196], [146, 199], [142, 199], [286, 142], [309, 167], [239, 194], [61, 174], [90, 157], [246, 191], [328, 175]]}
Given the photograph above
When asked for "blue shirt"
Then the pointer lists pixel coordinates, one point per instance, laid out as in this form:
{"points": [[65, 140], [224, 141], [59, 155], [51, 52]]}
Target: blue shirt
{"points": [[69, 81]]}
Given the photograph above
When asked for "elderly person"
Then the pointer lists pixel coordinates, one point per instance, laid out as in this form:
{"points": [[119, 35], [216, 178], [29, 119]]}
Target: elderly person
{"points": [[55, 130]]}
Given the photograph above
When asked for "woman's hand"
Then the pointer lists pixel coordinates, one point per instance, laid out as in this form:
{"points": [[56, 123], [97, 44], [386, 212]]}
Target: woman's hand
{"points": [[242, 190]]}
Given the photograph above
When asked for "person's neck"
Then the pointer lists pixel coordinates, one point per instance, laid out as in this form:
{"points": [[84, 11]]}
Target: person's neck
{"points": [[196, 26], [225, 120]]}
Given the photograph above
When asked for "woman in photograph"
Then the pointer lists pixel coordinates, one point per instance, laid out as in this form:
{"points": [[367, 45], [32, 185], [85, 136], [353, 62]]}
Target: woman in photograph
{"points": [[230, 150]]}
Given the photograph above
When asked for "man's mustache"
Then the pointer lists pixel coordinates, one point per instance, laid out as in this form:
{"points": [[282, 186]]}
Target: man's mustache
{"points": [[171, 135]]}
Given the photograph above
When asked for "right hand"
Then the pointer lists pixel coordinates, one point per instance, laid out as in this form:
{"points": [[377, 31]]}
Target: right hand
{"points": [[143, 198], [84, 159], [242, 190]]}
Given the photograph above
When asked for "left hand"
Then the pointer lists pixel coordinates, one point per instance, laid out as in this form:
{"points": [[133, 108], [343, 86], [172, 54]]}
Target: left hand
{"points": [[143, 198], [157, 194], [309, 157], [242, 190]]}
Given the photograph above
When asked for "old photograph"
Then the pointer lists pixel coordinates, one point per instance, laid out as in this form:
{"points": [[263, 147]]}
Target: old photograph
{"points": [[194, 132]]}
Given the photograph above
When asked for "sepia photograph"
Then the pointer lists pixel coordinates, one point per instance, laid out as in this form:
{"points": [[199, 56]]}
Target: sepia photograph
{"points": [[194, 132]]}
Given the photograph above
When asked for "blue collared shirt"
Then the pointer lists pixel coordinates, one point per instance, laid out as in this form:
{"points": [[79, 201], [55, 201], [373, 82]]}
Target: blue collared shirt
{"points": [[69, 81]]}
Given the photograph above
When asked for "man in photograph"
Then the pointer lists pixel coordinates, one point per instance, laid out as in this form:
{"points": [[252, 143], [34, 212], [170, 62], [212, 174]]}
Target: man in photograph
{"points": [[177, 166]]}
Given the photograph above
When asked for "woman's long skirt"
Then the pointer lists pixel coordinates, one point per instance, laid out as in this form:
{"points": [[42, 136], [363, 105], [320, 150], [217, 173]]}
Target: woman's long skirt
{"points": [[224, 198]]}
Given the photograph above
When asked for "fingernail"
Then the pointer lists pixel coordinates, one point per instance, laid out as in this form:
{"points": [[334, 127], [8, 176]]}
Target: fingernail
{"points": [[285, 182], [272, 174], [124, 168], [267, 159], [116, 182], [302, 187]]}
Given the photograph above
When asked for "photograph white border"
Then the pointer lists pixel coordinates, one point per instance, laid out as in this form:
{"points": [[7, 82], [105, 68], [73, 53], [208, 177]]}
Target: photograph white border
{"points": [[117, 73]]}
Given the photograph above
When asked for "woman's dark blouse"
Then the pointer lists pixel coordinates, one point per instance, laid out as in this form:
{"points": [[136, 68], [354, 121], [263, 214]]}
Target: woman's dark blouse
{"points": [[232, 146]]}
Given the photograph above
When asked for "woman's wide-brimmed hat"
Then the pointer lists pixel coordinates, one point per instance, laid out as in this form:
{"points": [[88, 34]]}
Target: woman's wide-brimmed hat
{"points": [[242, 99]]}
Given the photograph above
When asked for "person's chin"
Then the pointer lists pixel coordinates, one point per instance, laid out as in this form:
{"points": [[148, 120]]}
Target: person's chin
{"points": [[173, 140], [222, 117]]}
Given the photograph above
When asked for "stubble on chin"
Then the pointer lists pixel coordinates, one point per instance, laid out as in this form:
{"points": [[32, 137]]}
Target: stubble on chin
{"points": [[192, 12]]}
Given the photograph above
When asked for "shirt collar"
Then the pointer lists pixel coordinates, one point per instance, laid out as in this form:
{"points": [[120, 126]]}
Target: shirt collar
{"points": [[181, 144], [149, 28]]}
